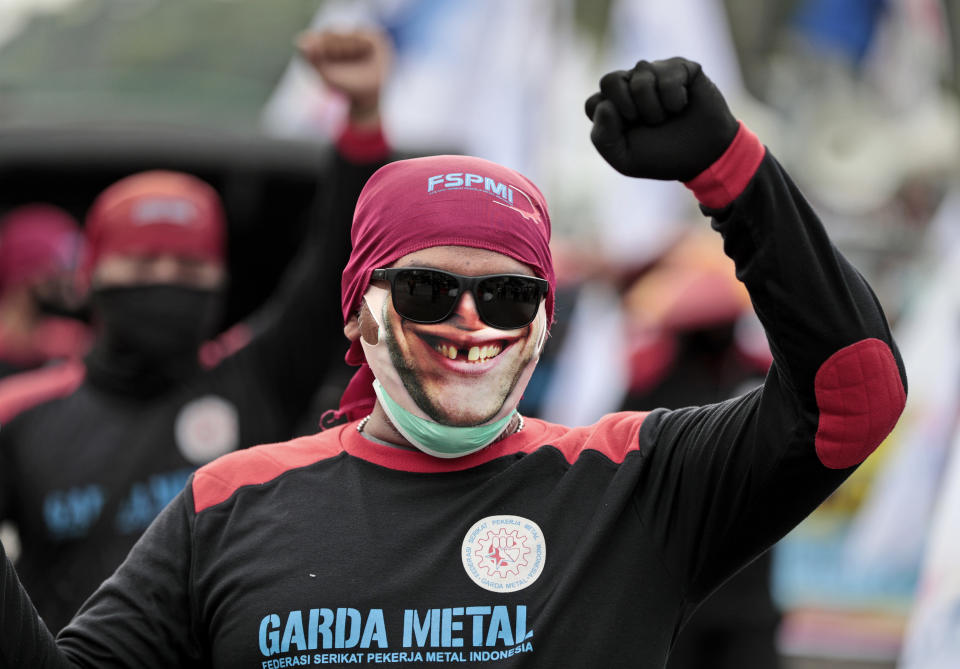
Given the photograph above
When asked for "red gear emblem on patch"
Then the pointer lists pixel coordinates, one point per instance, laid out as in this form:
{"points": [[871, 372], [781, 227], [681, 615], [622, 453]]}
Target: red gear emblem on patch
{"points": [[502, 553]]}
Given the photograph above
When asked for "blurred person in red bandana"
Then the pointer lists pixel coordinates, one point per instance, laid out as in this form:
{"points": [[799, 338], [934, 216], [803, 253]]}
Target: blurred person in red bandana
{"points": [[92, 450], [40, 245]]}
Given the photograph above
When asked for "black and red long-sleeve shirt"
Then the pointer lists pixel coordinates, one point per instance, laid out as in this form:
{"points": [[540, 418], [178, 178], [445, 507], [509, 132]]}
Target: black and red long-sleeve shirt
{"points": [[554, 547], [88, 460]]}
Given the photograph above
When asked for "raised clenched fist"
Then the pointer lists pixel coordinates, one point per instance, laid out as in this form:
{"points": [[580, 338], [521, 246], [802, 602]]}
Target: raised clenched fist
{"points": [[660, 120], [355, 63]]}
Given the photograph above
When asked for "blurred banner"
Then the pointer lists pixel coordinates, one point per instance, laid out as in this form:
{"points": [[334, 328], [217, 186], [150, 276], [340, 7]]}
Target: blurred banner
{"points": [[933, 637], [849, 573]]}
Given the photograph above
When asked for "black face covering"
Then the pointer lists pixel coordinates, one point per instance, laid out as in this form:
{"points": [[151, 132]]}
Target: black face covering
{"points": [[149, 335], [61, 302]]}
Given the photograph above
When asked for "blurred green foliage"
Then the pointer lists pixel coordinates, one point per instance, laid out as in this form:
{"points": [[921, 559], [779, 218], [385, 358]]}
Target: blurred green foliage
{"points": [[209, 63]]}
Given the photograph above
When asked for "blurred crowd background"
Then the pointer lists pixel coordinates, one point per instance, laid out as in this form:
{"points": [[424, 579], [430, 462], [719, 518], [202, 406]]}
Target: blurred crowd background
{"points": [[858, 98]]}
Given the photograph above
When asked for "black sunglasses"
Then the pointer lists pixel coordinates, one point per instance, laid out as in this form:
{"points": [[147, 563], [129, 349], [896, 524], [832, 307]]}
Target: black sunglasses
{"points": [[504, 301]]}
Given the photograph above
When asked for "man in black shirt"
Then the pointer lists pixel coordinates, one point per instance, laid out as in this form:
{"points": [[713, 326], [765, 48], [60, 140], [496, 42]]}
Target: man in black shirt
{"points": [[92, 451], [446, 528]]}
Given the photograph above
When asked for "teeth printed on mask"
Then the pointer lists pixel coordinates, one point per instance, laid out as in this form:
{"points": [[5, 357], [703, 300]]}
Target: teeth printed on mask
{"points": [[446, 351], [473, 354]]}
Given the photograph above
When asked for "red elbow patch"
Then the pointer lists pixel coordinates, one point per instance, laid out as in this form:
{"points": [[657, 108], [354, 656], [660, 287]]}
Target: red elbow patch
{"points": [[860, 397]]}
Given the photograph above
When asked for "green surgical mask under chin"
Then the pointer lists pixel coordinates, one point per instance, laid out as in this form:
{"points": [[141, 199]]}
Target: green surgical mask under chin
{"points": [[442, 441]]}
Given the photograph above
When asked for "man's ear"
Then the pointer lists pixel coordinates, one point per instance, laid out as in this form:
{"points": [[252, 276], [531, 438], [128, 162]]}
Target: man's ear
{"points": [[352, 329], [362, 324]]}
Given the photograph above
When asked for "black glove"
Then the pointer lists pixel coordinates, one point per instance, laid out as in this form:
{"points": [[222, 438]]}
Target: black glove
{"points": [[660, 120]]}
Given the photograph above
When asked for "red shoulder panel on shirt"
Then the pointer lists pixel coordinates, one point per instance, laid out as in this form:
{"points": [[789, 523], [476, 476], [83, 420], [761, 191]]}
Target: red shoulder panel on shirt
{"points": [[225, 344], [26, 390], [615, 435], [217, 481], [860, 396]]}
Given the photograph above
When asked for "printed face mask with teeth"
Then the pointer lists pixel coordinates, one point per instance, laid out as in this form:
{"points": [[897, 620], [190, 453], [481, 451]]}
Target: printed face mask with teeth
{"points": [[389, 381]]}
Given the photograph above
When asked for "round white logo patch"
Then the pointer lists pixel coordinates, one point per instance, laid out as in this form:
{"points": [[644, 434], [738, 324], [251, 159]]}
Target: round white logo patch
{"points": [[206, 428], [504, 553]]}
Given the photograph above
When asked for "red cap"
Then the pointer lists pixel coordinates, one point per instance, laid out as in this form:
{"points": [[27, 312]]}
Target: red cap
{"points": [[157, 212]]}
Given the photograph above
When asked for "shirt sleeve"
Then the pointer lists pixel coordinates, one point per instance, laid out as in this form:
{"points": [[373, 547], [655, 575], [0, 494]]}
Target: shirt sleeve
{"points": [[724, 482], [24, 640], [141, 617], [144, 615], [300, 330]]}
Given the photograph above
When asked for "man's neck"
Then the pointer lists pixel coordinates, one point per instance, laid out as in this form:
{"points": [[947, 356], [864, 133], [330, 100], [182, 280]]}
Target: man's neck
{"points": [[380, 428]]}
